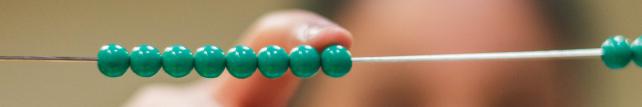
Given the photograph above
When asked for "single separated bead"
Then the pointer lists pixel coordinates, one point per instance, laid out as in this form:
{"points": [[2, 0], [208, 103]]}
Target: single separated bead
{"points": [[113, 60], [241, 61], [209, 61], [304, 61], [145, 60], [336, 61], [616, 52], [177, 61], [636, 48], [273, 61]]}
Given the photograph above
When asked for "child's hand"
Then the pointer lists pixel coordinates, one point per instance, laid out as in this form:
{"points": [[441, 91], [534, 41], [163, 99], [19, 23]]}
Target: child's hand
{"points": [[286, 29]]}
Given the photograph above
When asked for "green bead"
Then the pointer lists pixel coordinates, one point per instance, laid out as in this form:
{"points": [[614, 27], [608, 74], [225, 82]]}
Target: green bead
{"points": [[113, 60], [336, 61], [177, 61], [616, 52], [304, 61], [273, 61], [241, 61], [145, 60], [209, 61], [636, 48]]}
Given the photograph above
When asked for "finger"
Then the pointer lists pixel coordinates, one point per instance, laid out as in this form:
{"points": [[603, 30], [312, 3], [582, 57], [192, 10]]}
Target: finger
{"points": [[286, 29]]}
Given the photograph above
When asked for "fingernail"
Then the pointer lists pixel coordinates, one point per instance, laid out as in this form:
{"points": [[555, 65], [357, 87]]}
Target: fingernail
{"points": [[309, 31]]}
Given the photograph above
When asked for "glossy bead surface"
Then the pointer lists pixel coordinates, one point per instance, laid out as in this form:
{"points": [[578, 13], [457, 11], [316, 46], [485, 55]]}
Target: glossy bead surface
{"points": [[304, 61], [209, 61], [616, 52], [145, 60], [177, 61], [336, 61], [273, 61], [113, 60], [241, 61], [636, 48]]}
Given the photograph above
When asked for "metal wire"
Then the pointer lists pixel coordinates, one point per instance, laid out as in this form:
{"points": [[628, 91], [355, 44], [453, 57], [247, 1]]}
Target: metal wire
{"points": [[571, 53], [49, 58]]}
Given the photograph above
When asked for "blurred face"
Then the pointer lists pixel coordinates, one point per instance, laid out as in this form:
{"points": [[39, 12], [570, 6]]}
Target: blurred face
{"points": [[386, 27]]}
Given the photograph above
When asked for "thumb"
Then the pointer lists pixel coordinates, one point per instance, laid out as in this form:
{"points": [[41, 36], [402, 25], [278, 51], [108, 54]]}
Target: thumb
{"points": [[286, 29]]}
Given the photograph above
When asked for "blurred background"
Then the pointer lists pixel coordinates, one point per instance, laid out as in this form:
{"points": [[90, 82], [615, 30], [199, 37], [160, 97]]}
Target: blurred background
{"points": [[80, 27]]}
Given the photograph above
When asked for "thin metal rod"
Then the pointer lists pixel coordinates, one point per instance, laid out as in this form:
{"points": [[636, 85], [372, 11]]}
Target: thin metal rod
{"points": [[49, 58], [486, 56], [572, 53]]}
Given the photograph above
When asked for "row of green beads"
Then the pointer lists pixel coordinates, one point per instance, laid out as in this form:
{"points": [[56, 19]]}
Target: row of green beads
{"points": [[146, 61], [210, 61], [617, 52]]}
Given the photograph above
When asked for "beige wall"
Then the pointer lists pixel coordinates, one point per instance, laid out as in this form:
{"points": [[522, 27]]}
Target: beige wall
{"points": [[79, 27], [604, 88]]}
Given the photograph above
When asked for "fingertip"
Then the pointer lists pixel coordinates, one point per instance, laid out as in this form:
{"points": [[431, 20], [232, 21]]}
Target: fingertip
{"points": [[331, 36]]}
